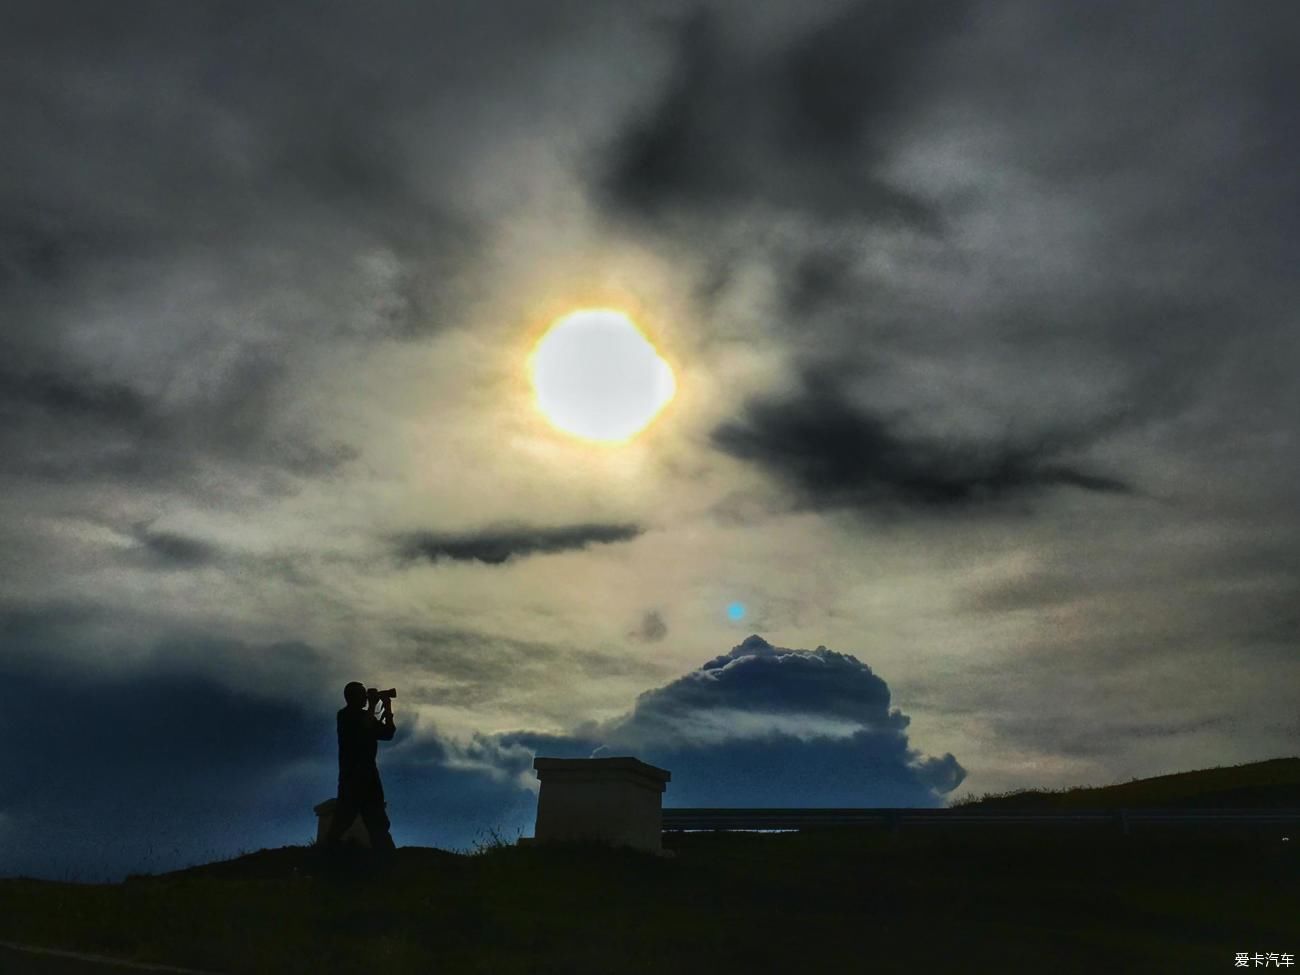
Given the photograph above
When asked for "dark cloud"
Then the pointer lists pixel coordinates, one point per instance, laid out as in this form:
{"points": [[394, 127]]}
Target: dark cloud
{"points": [[194, 749], [173, 550], [151, 723], [139, 772], [653, 627], [803, 126], [259, 197], [855, 73], [30, 253], [118, 768], [89, 641], [29, 631], [834, 453], [252, 138], [1100, 234], [82, 399], [71, 426], [494, 546], [815, 280]]}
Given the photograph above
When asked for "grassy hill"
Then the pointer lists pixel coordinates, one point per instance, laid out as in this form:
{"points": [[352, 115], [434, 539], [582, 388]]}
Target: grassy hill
{"points": [[1077, 902], [1069, 900], [1256, 785]]}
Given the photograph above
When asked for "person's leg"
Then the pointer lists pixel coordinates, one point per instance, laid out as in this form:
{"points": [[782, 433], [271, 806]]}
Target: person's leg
{"points": [[377, 825]]}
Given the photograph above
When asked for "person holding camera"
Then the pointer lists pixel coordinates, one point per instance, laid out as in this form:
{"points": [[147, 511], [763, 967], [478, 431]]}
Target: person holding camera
{"points": [[361, 793]]}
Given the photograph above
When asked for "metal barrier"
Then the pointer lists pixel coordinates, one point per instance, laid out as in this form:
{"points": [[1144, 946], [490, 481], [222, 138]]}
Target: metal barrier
{"points": [[676, 819]]}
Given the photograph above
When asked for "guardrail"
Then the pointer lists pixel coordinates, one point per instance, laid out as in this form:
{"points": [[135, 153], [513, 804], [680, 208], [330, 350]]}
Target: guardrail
{"points": [[676, 819]]}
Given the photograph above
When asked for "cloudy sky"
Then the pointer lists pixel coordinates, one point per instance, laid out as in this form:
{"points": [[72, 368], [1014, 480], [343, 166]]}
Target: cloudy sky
{"points": [[983, 323]]}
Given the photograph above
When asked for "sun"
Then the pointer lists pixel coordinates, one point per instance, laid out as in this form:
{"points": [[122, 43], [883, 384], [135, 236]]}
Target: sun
{"points": [[597, 377]]}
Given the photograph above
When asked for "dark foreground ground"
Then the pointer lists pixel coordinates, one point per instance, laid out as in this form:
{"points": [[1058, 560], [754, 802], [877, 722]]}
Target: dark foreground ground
{"points": [[1037, 899]]}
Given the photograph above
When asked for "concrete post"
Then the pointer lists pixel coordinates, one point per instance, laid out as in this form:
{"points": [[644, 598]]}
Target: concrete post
{"points": [[615, 801], [356, 834]]}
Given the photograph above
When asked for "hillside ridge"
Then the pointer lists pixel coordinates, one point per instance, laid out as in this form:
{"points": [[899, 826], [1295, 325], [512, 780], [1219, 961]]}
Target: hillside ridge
{"points": [[1272, 783]]}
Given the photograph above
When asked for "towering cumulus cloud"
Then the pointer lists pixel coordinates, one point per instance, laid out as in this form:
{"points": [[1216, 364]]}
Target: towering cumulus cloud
{"points": [[770, 726]]}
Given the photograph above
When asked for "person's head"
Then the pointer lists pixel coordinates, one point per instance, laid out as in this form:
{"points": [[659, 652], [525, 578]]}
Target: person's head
{"points": [[355, 694]]}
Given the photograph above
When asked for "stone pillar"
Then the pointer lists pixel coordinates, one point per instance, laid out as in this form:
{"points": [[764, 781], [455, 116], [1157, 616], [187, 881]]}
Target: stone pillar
{"points": [[356, 834], [615, 801]]}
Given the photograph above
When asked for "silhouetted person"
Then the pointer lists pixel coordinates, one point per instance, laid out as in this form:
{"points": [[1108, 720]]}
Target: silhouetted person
{"points": [[360, 791]]}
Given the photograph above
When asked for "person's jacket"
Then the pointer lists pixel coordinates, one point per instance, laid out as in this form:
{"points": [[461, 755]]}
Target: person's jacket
{"points": [[359, 735]]}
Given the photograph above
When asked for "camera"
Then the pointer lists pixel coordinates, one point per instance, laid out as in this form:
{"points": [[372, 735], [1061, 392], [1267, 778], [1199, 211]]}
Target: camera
{"points": [[378, 695]]}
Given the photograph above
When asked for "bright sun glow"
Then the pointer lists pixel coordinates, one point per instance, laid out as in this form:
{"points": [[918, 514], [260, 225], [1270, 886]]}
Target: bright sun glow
{"points": [[597, 376]]}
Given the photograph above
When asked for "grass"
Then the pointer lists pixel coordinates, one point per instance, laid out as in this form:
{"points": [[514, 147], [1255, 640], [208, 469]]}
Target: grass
{"points": [[857, 900]]}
